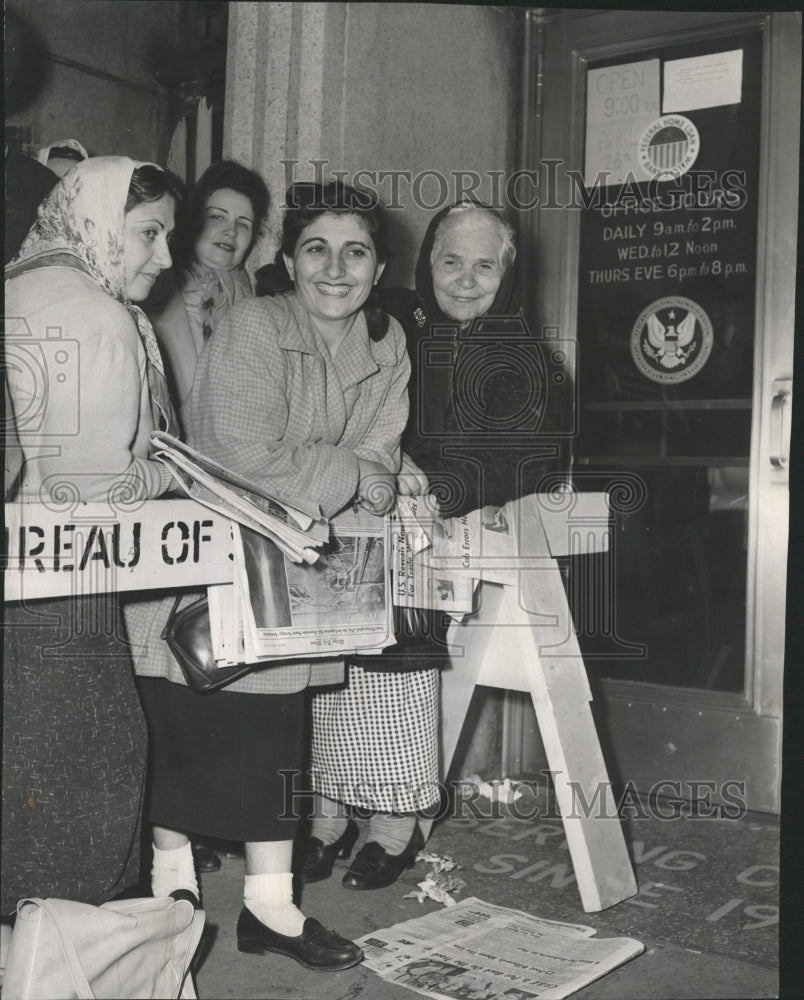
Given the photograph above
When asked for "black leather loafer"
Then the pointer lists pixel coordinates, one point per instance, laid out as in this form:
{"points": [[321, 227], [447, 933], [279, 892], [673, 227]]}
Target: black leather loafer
{"points": [[374, 868], [320, 857], [314, 948]]}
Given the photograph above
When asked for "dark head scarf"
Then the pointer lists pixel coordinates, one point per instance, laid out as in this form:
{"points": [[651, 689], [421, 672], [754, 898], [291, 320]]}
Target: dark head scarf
{"points": [[502, 304]]}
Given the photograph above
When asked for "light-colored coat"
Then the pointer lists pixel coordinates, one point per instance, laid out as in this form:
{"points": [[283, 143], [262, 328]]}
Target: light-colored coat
{"points": [[269, 403], [79, 390]]}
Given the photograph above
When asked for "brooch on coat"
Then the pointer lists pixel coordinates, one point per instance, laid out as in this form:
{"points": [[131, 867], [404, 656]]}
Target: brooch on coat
{"points": [[418, 315]]}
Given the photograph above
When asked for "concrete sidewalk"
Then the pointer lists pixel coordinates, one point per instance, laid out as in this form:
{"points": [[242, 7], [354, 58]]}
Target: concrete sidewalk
{"points": [[707, 909]]}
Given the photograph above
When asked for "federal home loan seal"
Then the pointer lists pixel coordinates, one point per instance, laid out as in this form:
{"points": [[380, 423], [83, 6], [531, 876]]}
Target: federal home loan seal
{"points": [[671, 340], [668, 147]]}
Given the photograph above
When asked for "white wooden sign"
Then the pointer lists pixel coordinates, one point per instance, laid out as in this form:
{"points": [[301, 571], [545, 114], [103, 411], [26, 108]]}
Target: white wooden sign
{"points": [[93, 548]]}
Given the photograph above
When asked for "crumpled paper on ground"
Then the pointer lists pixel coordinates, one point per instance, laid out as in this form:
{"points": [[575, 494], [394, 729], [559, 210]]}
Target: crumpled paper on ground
{"points": [[497, 791], [440, 862], [438, 884]]}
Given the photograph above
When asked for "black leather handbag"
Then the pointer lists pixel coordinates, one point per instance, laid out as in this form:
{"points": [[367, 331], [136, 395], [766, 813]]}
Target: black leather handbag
{"points": [[188, 635], [419, 626], [419, 632]]}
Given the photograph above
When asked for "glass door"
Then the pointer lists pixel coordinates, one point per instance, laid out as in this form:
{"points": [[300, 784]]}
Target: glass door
{"points": [[676, 278]]}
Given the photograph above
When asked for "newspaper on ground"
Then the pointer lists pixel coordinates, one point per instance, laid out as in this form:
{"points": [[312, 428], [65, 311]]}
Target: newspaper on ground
{"points": [[478, 950]]}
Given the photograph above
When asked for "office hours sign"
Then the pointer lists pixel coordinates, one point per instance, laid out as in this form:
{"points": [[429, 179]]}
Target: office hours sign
{"points": [[668, 245]]}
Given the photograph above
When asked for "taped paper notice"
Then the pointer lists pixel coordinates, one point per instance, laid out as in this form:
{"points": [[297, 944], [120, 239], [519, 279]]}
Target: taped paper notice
{"points": [[703, 81]]}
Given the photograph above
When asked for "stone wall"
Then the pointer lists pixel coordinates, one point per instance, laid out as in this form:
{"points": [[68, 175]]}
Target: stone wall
{"points": [[419, 91]]}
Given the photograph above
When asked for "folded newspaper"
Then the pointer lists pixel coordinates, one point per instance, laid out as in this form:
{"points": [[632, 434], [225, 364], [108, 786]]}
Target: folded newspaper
{"points": [[478, 950], [438, 562], [308, 587], [279, 609], [298, 530]]}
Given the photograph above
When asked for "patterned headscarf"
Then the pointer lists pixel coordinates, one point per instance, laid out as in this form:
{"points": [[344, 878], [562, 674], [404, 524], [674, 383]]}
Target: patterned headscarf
{"points": [[44, 152], [81, 224]]}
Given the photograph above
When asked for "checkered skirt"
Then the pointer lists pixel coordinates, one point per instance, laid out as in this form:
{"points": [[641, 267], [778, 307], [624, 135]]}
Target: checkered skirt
{"points": [[375, 740]]}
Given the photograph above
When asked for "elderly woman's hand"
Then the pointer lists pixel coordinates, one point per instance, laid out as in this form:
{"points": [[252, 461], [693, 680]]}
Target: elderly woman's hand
{"points": [[410, 480], [376, 488]]}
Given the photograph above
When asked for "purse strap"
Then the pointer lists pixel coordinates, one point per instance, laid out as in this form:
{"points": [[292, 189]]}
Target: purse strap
{"points": [[80, 981], [173, 611]]}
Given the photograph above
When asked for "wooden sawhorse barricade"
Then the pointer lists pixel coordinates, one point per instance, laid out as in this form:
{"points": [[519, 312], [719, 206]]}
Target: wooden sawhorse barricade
{"points": [[522, 639]]}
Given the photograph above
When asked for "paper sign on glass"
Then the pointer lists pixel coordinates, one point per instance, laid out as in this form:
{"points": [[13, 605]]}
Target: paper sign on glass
{"points": [[703, 81], [621, 101]]}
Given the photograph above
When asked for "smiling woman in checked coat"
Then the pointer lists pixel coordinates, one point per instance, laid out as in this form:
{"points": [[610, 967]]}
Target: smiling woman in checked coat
{"points": [[305, 394]]}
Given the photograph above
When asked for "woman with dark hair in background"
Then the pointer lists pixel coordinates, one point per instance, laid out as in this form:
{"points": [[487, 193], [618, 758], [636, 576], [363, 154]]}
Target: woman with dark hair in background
{"points": [[223, 221], [74, 736], [304, 393]]}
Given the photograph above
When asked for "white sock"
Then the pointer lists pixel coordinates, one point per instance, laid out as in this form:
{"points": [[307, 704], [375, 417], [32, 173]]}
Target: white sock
{"points": [[270, 898], [174, 869]]}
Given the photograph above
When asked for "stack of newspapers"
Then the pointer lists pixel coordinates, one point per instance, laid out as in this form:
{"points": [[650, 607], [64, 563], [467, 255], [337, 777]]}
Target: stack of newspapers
{"points": [[298, 532], [303, 585]]}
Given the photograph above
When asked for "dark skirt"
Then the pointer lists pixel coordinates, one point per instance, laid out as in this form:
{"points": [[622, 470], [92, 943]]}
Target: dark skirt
{"points": [[218, 761], [74, 752]]}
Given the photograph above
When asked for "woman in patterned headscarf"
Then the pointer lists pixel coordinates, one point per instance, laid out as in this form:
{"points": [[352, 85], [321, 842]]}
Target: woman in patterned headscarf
{"points": [[84, 402], [224, 219]]}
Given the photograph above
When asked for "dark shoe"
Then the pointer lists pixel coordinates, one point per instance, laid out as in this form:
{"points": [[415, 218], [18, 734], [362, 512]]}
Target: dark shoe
{"points": [[189, 896], [206, 860], [374, 868], [314, 948], [319, 857]]}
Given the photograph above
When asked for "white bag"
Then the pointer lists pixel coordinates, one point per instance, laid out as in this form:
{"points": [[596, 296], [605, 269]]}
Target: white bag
{"points": [[126, 949]]}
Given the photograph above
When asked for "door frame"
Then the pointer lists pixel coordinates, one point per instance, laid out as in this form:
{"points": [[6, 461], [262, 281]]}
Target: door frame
{"points": [[654, 732]]}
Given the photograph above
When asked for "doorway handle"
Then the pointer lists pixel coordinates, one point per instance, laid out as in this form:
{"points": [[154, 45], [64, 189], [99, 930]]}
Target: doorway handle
{"points": [[780, 423]]}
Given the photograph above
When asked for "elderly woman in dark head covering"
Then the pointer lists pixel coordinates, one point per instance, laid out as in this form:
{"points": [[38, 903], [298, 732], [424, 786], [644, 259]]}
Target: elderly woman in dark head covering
{"points": [[475, 382]]}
